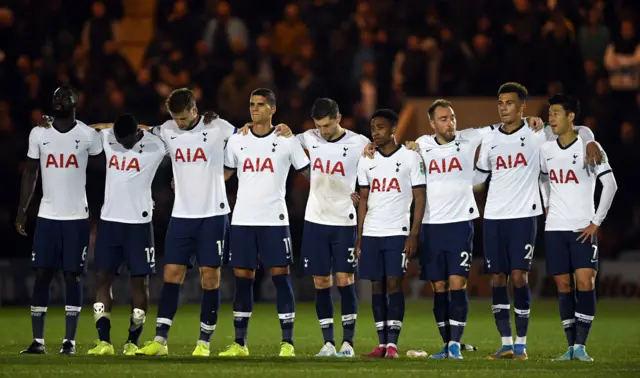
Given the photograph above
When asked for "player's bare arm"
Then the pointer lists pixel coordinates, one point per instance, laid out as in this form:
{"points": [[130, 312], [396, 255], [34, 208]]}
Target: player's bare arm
{"points": [[362, 213], [419, 198], [228, 173], [27, 187]]}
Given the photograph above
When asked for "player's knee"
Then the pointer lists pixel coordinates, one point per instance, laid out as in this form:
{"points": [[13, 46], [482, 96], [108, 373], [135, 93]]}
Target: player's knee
{"points": [[563, 283], [71, 277], [104, 280], [210, 278], [244, 273], [439, 286], [174, 273], [585, 279], [345, 279], [44, 275], [322, 282], [279, 270], [457, 283], [377, 287], [394, 284], [519, 278], [499, 280]]}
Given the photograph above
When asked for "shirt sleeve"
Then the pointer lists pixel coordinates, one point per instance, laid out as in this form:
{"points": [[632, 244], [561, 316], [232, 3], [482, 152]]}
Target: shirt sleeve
{"points": [[418, 176], [96, 143], [230, 158], [476, 133], [297, 156], [34, 144], [484, 162], [543, 163], [363, 180], [603, 168], [227, 129]]}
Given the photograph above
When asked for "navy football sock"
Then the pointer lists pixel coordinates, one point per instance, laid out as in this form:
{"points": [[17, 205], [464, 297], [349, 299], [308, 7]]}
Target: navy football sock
{"points": [[167, 308], [349, 307], [242, 308], [324, 310], [286, 305], [209, 313]]}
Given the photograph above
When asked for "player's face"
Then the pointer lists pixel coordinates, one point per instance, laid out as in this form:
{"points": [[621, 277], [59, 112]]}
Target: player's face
{"points": [[510, 108], [127, 141], [185, 119], [559, 119], [260, 110], [444, 122], [382, 131], [64, 100], [328, 127]]}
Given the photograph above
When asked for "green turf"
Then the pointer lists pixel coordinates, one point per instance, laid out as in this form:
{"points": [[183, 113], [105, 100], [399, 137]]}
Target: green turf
{"points": [[614, 343]]}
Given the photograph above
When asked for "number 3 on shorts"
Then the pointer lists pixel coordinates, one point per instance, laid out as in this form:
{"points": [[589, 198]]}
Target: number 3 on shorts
{"points": [[352, 256]]}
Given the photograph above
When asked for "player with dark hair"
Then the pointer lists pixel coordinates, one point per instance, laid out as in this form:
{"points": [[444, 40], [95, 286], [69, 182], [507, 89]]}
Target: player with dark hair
{"points": [[570, 231], [386, 240], [61, 237], [125, 232], [260, 223], [509, 153]]}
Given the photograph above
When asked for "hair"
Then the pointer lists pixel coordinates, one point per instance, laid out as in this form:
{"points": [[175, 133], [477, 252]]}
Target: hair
{"points": [[180, 100], [516, 88], [568, 102], [266, 93], [325, 107], [439, 103], [387, 114], [125, 125]]}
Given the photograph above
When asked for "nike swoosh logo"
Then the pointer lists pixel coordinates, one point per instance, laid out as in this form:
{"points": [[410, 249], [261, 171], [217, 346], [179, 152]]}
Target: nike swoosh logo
{"points": [[492, 147], [315, 146], [111, 143], [370, 168], [429, 149], [173, 137], [549, 159], [45, 143]]}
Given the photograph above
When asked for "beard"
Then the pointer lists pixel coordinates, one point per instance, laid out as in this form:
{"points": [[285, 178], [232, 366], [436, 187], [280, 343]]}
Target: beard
{"points": [[62, 113]]}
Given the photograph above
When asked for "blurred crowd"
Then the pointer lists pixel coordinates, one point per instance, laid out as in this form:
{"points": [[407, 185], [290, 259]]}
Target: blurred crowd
{"points": [[364, 54]]}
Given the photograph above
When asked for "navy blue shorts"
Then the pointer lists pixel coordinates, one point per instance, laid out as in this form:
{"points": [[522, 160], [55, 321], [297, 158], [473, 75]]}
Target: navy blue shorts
{"points": [[327, 249], [564, 254], [61, 244], [131, 245], [446, 250], [382, 257], [269, 246], [203, 239], [509, 244]]}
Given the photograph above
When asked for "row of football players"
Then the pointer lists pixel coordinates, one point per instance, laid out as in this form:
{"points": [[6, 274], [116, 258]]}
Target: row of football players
{"points": [[260, 225]]}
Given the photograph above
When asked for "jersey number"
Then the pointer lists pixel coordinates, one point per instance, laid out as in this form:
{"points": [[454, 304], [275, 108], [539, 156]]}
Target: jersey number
{"points": [[352, 255], [466, 259], [594, 258], [220, 247], [84, 256], [287, 246], [151, 255], [529, 248], [404, 261]]}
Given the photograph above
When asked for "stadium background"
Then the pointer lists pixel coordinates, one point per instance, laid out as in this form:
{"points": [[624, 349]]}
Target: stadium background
{"points": [[127, 55]]}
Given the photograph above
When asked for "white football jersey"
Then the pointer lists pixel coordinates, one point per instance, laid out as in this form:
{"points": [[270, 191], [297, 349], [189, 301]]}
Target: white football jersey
{"points": [[63, 163], [262, 164], [513, 161], [571, 200], [127, 190], [334, 171], [449, 169], [391, 180], [197, 159]]}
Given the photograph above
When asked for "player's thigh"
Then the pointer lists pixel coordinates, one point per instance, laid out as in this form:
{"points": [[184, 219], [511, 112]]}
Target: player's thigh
{"points": [[75, 245], [180, 242], [139, 249], [521, 238], [432, 249], [495, 247], [108, 254], [316, 250], [212, 241], [343, 240], [583, 255], [274, 246], [47, 245], [371, 263], [243, 247], [459, 254], [395, 259], [557, 249]]}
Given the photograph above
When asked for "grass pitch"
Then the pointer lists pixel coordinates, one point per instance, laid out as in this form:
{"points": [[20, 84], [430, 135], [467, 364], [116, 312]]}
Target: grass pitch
{"points": [[614, 343]]}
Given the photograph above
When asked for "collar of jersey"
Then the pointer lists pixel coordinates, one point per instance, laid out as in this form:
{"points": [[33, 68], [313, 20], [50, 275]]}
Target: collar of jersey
{"points": [[262, 136], [524, 123], [568, 145], [344, 134], [440, 144], [392, 152]]}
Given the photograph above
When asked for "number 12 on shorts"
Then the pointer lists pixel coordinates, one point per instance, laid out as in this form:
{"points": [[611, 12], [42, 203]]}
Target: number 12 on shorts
{"points": [[151, 256]]}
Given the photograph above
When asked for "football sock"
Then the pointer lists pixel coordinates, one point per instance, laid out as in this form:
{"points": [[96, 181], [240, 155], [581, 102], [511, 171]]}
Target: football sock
{"points": [[458, 310], [441, 314], [585, 313], [522, 307], [209, 313], [380, 308], [167, 308], [395, 316], [349, 307], [285, 302], [567, 303], [501, 310], [39, 303], [73, 303], [242, 308], [324, 310]]}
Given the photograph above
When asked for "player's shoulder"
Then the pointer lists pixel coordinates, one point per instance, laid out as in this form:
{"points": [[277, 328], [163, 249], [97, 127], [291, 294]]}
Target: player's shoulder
{"points": [[408, 154], [352, 137], [37, 132], [426, 141], [149, 136], [83, 128]]}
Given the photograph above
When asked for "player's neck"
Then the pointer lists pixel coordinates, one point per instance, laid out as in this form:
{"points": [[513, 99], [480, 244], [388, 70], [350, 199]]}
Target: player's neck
{"points": [[442, 139], [64, 124], [509, 127], [262, 128], [388, 148], [568, 137], [339, 133]]}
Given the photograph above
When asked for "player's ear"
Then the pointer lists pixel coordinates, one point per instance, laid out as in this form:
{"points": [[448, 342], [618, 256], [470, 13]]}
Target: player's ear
{"points": [[571, 117], [194, 111], [273, 110], [339, 118]]}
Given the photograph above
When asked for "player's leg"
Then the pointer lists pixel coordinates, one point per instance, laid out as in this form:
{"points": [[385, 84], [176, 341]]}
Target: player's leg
{"points": [[584, 257], [372, 268], [46, 260], [395, 264], [558, 261], [75, 246], [316, 261], [521, 250], [243, 257], [140, 306], [212, 243], [497, 264], [344, 264], [274, 246]]}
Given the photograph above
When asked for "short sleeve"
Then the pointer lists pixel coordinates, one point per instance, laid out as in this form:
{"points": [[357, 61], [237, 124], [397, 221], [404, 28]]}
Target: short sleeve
{"points": [[96, 143], [301, 139], [484, 163], [157, 130], [230, 158], [363, 180], [297, 156], [543, 162], [227, 129], [475, 135], [418, 177], [34, 143]]}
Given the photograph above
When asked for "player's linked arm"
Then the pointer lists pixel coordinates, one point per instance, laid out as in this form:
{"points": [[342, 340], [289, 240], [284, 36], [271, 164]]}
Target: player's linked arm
{"points": [[27, 188], [419, 200], [362, 213]]}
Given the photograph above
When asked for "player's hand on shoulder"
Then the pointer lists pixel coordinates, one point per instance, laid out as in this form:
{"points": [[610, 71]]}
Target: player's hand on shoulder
{"points": [[283, 130], [369, 150], [45, 122], [355, 198], [411, 246], [412, 145], [209, 117], [535, 123], [244, 130], [21, 222], [594, 154]]}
